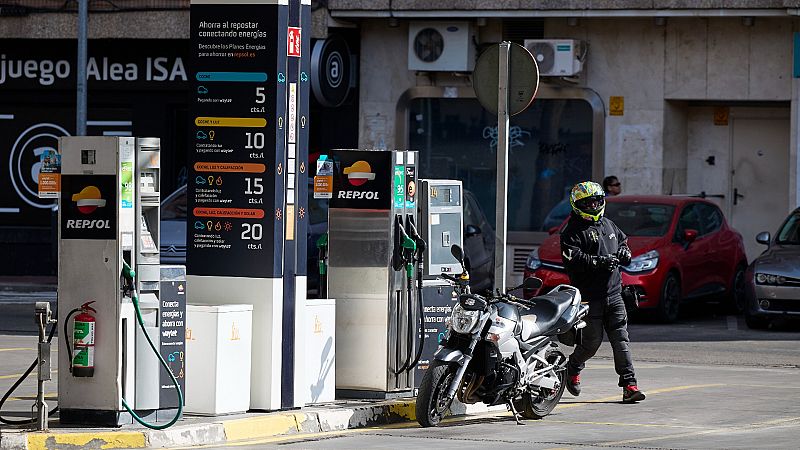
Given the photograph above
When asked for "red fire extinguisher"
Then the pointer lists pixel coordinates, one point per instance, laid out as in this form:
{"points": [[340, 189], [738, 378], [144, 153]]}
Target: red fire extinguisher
{"points": [[82, 360]]}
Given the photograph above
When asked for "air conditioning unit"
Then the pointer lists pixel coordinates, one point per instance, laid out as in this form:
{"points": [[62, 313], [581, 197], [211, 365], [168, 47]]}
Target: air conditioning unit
{"points": [[441, 46], [557, 57]]}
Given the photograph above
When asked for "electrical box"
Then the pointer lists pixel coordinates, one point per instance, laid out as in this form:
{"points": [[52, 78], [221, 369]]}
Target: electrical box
{"points": [[557, 57], [441, 46]]}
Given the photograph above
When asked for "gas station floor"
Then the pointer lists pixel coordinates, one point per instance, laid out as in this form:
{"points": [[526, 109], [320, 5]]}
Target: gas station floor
{"points": [[711, 383]]}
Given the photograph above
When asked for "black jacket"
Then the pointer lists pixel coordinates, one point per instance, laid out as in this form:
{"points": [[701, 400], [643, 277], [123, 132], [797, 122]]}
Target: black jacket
{"points": [[582, 240]]}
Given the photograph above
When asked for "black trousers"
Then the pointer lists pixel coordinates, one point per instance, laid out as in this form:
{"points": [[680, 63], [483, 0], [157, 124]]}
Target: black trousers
{"points": [[606, 314]]}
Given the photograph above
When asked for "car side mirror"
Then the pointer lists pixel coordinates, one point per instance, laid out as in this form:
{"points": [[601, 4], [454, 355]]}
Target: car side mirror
{"points": [[690, 235], [552, 230], [763, 238], [472, 230]]}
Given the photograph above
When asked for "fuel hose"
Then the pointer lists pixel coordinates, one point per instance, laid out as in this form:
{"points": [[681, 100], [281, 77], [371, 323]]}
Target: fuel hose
{"points": [[130, 275]]}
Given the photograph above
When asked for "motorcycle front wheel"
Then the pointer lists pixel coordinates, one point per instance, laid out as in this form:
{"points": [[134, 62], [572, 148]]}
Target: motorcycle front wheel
{"points": [[537, 406], [432, 403]]}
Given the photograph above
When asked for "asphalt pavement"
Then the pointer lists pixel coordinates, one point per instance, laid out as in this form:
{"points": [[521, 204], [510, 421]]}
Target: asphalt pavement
{"points": [[711, 383]]}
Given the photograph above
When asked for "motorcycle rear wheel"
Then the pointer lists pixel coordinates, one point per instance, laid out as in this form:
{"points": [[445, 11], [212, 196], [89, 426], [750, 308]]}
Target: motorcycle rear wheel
{"points": [[541, 405], [431, 403]]}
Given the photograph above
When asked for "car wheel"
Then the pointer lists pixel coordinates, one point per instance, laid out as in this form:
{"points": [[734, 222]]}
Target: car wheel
{"points": [[755, 322], [736, 296], [669, 304]]}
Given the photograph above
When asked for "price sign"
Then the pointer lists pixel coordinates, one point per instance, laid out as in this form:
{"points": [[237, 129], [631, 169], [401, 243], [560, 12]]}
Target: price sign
{"points": [[232, 150]]}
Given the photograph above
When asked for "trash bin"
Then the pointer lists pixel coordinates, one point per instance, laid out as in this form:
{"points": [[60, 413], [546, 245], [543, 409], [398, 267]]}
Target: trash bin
{"points": [[320, 350], [218, 343]]}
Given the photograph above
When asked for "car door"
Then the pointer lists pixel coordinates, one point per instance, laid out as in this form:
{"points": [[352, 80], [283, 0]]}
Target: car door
{"points": [[717, 270], [479, 248], [694, 254]]}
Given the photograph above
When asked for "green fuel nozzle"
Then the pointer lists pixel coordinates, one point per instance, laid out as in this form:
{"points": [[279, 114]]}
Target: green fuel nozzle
{"points": [[322, 246], [127, 272], [409, 247]]}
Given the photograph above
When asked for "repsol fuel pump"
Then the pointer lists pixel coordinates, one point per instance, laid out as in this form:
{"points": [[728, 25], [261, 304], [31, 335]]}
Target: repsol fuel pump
{"points": [[372, 253], [108, 282]]}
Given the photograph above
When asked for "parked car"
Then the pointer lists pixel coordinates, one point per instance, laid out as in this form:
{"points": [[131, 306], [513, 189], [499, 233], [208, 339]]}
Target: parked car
{"points": [[479, 242], [773, 278], [478, 238], [682, 248]]}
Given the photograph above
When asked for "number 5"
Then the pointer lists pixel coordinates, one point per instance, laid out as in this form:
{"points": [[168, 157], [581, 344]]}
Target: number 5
{"points": [[260, 96]]}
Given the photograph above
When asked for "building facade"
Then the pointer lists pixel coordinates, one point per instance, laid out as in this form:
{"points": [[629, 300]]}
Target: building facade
{"points": [[673, 97]]}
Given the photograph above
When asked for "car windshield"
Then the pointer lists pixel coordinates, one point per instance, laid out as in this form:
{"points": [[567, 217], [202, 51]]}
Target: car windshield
{"points": [[640, 219], [790, 231]]}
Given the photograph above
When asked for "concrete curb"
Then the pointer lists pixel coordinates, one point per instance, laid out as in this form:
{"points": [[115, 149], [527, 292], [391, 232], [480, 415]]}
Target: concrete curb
{"points": [[311, 420]]}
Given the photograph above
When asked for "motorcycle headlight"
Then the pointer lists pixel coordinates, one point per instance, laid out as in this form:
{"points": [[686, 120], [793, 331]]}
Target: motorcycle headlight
{"points": [[464, 321], [643, 262], [533, 262]]}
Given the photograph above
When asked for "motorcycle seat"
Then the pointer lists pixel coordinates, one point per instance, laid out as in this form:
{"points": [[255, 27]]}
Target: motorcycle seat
{"points": [[541, 318]]}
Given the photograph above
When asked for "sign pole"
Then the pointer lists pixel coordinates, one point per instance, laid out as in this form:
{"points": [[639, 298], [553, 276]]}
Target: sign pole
{"points": [[501, 221]]}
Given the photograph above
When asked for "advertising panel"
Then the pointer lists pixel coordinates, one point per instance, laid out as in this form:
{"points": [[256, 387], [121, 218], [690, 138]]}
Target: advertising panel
{"points": [[232, 167]]}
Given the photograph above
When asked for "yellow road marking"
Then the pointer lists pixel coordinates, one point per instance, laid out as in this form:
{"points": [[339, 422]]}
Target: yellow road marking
{"points": [[749, 427], [48, 396], [623, 424], [648, 392], [16, 349], [37, 441], [17, 375]]}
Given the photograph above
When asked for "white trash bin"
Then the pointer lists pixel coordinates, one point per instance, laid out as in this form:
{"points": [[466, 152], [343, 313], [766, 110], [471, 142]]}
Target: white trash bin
{"points": [[218, 352], [320, 353]]}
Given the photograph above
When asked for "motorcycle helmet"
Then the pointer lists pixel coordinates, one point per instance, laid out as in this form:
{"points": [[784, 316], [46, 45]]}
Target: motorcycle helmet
{"points": [[588, 200]]}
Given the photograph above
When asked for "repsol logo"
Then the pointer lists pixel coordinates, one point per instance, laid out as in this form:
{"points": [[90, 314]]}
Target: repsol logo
{"points": [[104, 224], [368, 195]]}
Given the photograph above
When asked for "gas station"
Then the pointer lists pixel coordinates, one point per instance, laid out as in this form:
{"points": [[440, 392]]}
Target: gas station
{"points": [[233, 329]]}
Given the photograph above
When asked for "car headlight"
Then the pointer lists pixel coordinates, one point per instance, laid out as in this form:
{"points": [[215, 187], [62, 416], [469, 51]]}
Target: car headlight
{"points": [[464, 321], [643, 262], [767, 278], [533, 262]]}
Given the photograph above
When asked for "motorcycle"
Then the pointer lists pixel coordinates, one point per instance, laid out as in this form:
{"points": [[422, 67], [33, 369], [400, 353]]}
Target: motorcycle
{"points": [[501, 349]]}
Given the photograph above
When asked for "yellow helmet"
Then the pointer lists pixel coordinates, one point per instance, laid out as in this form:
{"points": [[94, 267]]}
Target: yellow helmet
{"points": [[588, 200]]}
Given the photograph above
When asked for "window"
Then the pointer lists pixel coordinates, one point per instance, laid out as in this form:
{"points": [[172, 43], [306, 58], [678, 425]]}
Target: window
{"points": [[789, 233], [641, 219], [711, 218], [550, 150], [689, 220]]}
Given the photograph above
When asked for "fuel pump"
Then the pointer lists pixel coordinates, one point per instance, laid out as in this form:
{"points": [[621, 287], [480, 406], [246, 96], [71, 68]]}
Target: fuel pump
{"points": [[372, 252], [108, 232]]}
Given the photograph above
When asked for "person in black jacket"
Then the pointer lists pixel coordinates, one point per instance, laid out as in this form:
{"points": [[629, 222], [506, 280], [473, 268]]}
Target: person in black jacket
{"points": [[592, 248]]}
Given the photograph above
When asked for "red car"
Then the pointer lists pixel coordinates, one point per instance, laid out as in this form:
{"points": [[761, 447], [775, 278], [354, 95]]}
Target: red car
{"points": [[682, 249]]}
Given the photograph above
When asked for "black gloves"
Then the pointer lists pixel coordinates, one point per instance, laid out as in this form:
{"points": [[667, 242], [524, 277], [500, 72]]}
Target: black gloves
{"points": [[606, 262], [624, 255]]}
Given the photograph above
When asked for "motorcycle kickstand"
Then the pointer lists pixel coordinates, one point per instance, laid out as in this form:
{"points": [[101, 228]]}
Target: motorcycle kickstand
{"points": [[514, 412]]}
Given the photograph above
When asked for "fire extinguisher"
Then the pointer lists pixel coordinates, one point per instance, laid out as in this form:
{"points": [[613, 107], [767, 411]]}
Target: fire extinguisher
{"points": [[82, 361]]}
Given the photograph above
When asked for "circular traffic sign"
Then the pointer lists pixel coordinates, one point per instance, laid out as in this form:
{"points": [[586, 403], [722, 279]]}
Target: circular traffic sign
{"points": [[523, 78], [330, 71]]}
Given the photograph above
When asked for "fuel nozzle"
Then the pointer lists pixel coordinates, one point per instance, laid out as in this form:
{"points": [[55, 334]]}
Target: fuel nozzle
{"points": [[409, 247], [322, 246]]}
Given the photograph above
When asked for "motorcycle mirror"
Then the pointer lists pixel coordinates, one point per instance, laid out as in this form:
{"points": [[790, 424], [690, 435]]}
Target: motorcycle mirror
{"points": [[457, 253], [532, 283]]}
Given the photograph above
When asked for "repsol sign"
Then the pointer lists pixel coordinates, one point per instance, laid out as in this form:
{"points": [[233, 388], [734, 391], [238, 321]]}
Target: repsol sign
{"points": [[88, 224], [88, 207], [366, 195]]}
